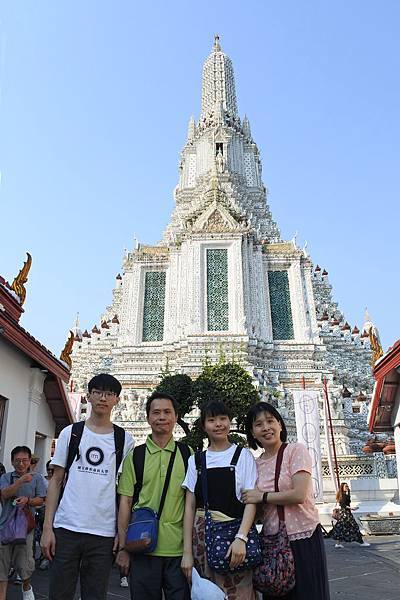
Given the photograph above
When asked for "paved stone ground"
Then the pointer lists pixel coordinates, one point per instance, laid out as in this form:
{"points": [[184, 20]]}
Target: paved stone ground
{"points": [[365, 573], [354, 573]]}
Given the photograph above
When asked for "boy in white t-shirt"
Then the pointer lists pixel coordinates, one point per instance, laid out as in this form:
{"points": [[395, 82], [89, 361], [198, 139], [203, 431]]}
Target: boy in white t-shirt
{"points": [[79, 535]]}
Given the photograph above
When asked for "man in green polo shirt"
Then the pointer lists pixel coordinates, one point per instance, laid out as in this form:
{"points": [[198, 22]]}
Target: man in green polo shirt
{"points": [[160, 571]]}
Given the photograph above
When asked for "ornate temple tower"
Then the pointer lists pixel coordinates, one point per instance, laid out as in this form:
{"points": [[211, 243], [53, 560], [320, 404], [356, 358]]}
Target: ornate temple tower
{"points": [[222, 279]]}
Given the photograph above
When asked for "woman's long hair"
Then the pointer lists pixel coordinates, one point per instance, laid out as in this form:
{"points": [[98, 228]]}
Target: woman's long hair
{"points": [[341, 492], [252, 415]]}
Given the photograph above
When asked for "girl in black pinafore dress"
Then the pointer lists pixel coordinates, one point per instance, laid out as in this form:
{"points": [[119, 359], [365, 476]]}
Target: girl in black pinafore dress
{"points": [[230, 470]]}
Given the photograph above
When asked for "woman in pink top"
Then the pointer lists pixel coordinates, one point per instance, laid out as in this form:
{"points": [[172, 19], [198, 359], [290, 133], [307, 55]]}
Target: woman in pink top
{"points": [[266, 429]]}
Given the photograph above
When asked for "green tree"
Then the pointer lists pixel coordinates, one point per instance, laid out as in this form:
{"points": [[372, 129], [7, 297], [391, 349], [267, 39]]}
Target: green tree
{"points": [[226, 382], [230, 383]]}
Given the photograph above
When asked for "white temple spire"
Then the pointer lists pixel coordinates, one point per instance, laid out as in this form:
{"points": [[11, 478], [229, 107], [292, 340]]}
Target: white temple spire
{"points": [[77, 328], [246, 127], [191, 129], [218, 83]]}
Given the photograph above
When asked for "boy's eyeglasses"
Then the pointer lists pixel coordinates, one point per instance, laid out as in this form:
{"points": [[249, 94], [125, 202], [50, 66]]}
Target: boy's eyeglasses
{"points": [[100, 393]]}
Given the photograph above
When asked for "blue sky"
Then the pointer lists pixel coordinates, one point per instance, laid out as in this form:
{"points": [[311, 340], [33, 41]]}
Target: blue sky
{"points": [[95, 100]]}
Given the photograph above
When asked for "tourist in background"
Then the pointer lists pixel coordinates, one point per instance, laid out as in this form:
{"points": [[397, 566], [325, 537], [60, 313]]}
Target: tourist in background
{"points": [[23, 489], [346, 528], [225, 485], [266, 429], [49, 471]]}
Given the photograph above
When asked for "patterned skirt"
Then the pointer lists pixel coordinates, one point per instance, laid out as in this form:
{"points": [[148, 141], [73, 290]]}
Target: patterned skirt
{"points": [[346, 528], [237, 586]]}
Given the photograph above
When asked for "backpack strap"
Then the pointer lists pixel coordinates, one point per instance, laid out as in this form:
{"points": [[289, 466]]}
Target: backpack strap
{"points": [[236, 455], [73, 452], [74, 441], [138, 458], [119, 442], [185, 453]]}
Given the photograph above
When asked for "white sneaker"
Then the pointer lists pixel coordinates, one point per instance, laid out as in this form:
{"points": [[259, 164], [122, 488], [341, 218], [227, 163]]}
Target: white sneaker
{"points": [[339, 546], [124, 582], [28, 595], [365, 544], [17, 579]]}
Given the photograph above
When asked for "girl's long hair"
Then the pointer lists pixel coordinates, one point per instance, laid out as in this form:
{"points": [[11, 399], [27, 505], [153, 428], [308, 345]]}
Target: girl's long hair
{"points": [[340, 493]]}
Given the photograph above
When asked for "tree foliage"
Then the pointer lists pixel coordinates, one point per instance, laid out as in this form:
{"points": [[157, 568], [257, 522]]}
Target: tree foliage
{"points": [[229, 383], [226, 382]]}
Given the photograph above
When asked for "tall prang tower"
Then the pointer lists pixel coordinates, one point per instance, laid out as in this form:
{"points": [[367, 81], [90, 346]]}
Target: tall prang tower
{"points": [[222, 279]]}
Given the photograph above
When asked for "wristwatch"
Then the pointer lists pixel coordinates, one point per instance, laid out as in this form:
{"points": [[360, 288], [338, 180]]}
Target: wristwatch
{"points": [[241, 536]]}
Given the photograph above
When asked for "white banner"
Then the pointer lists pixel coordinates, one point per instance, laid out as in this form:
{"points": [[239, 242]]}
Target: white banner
{"points": [[308, 433], [75, 404]]}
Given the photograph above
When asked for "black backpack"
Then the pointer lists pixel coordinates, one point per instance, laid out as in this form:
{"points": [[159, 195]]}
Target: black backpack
{"points": [[138, 458], [73, 448]]}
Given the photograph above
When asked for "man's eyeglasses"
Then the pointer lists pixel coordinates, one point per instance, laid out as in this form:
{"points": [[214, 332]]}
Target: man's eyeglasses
{"points": [[25, 461], [100, 393]]}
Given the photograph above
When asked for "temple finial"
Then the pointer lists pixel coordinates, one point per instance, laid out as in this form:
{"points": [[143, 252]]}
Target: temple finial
{"points": [[376, 345], [218, 85], [18, 285], [65, 355], [191, 129]]}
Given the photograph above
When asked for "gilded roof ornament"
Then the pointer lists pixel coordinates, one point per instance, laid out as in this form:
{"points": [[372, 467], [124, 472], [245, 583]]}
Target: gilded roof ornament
{"points": [[66, 353], [18, 285], [376, 346], [369, 330]]}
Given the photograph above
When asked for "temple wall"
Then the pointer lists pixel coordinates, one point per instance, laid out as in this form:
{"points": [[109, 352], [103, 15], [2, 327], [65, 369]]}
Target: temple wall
{"points": [[27, 413]]}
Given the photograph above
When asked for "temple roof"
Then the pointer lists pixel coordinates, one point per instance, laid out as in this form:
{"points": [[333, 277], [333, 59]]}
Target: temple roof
{"points": [[9, 300], [387, 376], [23, 341]]}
